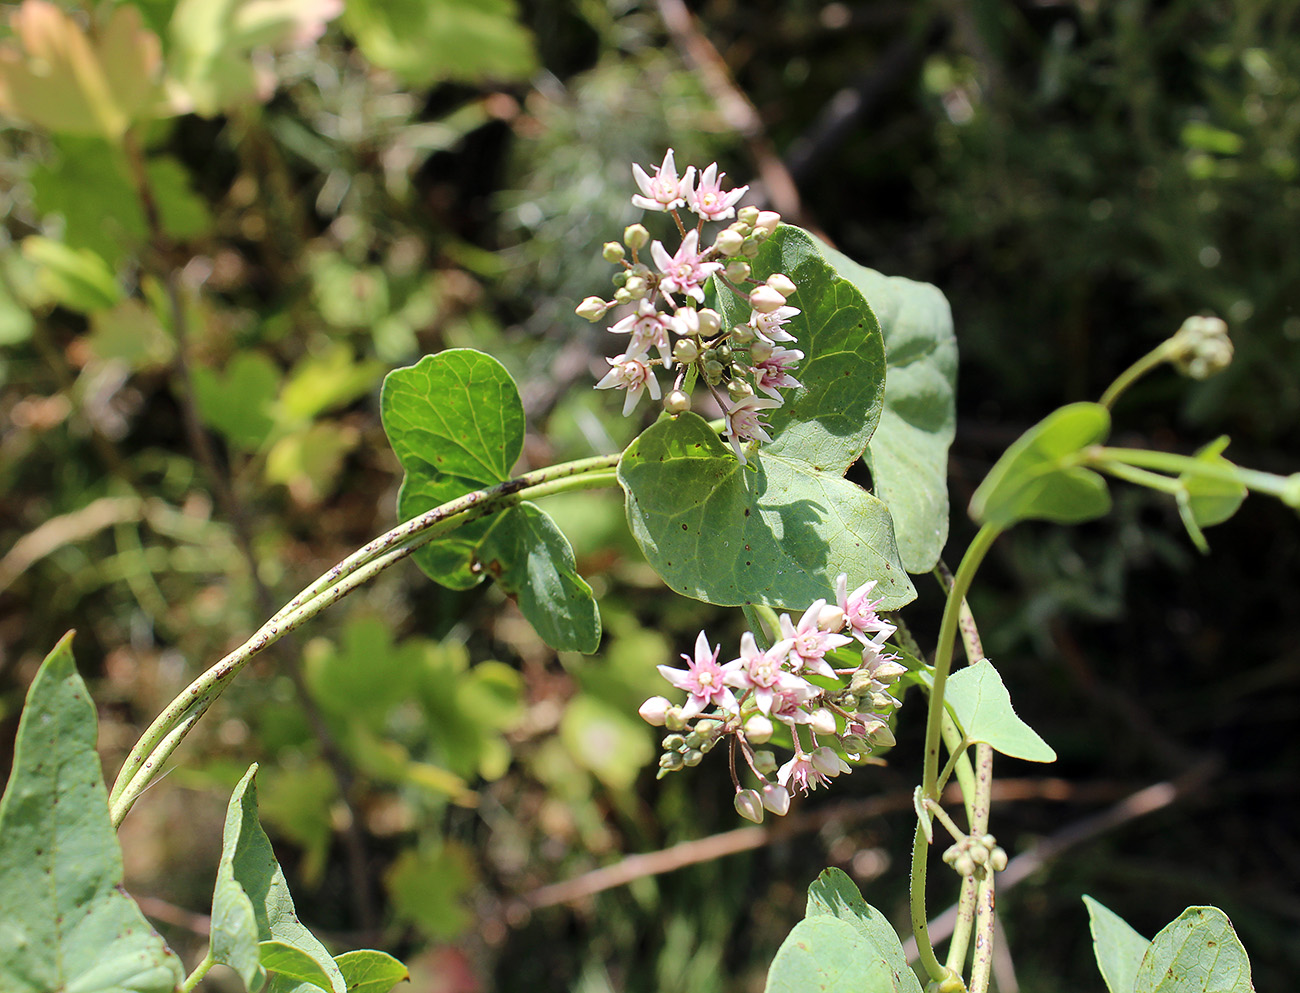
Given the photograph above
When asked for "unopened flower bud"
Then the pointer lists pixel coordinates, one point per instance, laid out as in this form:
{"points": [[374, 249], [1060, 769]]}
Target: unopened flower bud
{"points": [[776, 799], [758, 730], [612, 251], [823, 721], [713, 372], [742, 334], [854, 744], [828, 762], [674, 742], [748, 215], [882, 737], [637, 286], [708, 726], [997, 859], [782, 283], [670, 761], [685, 351], [766, 221], [675, 719], [749, 805], [723, 354], [728, 242], [677, 402], [710, 321], [620, 278], [655, 710], [738, 389], [830, 618], [696, 740], [964, 865], [861, 683], [636, 236], [765, 762], [1201, 347], [593, 308], [737, 271], [765, 300], [624, 295], [693, 757], [760, 351], [750, 246]]}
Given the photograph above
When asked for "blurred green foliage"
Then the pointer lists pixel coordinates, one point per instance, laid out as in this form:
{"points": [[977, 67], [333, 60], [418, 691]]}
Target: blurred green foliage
{"points": [[1077, 178]]}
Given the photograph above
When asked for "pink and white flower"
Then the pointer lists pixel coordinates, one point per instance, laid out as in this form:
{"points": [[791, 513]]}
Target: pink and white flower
{"points": [[686, 271], [703, 679], [709, 201], [860, 611], [631, 372], [788, 705], [771, 327], [762, 672], [743, 422], [649, 329], [809, 643], [665, 191], [801, 774], [772, 365]]}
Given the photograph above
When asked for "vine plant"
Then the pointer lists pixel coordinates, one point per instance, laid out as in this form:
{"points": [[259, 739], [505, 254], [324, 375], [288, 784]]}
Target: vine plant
{"points": [[752, 510]]}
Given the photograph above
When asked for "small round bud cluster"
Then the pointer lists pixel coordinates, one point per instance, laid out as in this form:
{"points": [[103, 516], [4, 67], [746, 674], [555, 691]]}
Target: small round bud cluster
{"points": [[1201, 347], [742, 700], [972, 856], [667, 326]]}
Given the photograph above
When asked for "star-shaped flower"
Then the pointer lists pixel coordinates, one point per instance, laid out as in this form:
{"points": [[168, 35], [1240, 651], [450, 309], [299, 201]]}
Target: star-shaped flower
{"points": [[665, 191], [703, 679]]}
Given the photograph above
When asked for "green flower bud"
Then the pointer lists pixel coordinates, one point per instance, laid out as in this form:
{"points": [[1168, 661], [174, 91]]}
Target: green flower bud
{"points": [[749, 805], [713, 372], [592, 308], [670, 762], [624, 295], [1201, 347], [728, 242], [693, 758], [747, 215], [738, 389], [723, 354], [749, 248], [612, 252], [686, 351], [636, 236], [737, 271], [674, 743]]}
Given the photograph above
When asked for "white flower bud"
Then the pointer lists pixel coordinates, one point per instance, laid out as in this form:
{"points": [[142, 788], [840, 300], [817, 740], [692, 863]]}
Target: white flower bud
{"points": [[637, 286], [655, 710], [766, 221], [758, 730], [747, 216], [776, 799], [828, 762], [765, 300], [686, 351], [677, 402], [997, 859], [831, 617], [823, 721], [728, 242], [737, 271], [612, 251], [749, 805], [709, 322], [593, 308], [636, 236], [782, 283]]}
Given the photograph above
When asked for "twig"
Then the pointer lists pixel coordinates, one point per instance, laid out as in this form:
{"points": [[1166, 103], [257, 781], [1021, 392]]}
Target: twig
{"points": [[77, 525]]}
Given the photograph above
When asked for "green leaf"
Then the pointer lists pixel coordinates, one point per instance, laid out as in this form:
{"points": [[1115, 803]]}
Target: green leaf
{"points": [[65, 922], [77, 278], [292, 966], [1038, 477], [238, 401], [1119, 949], [529, 557], [829, 420], [908, 454], [321, 382], [1203, 501], [982, 706], [251, 902], [369, 971], [428, 41], [1197, 953], [778, 536], [456, 422], [15, 319], [834, 894], [131, 332], [830, 955], [430, 889]]}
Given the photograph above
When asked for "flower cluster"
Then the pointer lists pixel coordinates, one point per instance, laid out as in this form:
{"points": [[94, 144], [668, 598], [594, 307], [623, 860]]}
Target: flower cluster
{"points": [[666, 325], [740, 699]]}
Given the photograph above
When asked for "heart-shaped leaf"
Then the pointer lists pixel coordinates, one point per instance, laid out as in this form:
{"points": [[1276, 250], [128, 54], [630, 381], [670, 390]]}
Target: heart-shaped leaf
{"points": [[779, 535], [908, 454], [831, 955], [251, 902], [456, 422], [65, 922], [1039, 478], [982, 706], [1197, 953]]}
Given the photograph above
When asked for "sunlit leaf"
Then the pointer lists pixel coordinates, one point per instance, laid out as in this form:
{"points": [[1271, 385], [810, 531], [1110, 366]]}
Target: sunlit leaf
{"points": [[429, 889], [1039, 478], [65, 922], [835, 894], [1197, 953], [830, 955], [1119, 949], [77, 278], [238, 400], [982, 707]]}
